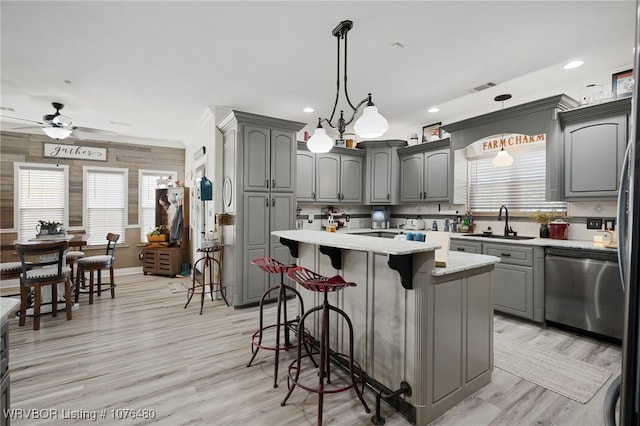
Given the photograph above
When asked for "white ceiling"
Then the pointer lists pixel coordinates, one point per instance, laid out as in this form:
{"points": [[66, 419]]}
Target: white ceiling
{"points": [[160, 67]]}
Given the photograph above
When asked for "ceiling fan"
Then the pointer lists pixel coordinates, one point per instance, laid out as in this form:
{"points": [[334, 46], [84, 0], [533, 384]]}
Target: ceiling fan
{"points": [[58, 126]]}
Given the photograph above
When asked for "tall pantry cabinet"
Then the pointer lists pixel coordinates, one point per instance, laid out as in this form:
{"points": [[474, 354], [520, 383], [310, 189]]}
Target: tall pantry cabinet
{"points": [[259, 169]]}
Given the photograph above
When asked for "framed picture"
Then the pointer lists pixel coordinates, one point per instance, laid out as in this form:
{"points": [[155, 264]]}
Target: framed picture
{"points": [[431, 132], [622, 83]]}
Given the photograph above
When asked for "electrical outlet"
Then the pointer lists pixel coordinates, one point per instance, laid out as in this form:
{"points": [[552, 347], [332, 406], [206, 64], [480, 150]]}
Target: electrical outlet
{"points": [[594, 223], [610, 224]]}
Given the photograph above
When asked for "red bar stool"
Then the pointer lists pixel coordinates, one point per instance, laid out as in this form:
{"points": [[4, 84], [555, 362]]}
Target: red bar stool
{"points": [[314, 282], [282, 324]]}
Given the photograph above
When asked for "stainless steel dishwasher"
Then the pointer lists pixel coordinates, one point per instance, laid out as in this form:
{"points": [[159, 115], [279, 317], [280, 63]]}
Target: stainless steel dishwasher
{"points": [[583, 290]]}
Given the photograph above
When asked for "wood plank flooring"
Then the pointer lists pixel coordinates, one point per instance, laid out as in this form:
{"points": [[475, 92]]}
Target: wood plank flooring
{"points": [[142, 350]]}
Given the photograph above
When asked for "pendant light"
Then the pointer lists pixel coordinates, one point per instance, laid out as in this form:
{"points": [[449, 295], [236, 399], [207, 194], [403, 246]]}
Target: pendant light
{"points": [[371, 123], [503, 159]]}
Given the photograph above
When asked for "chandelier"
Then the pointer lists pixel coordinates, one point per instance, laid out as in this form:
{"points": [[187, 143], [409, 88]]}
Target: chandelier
{"points": [[370, 124]]}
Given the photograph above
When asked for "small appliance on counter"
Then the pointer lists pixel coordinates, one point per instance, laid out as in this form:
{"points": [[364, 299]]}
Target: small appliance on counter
{"points": [[559, 230], [416, 224], [380, 217]]}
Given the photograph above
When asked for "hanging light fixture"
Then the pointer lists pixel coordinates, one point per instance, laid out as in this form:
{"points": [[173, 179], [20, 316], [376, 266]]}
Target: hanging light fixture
{"points": [[56, 132], [370, 124], [503, 159]]}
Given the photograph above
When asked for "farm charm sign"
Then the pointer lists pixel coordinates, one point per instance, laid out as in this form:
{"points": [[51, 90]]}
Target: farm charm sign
{"points": [[56, 150]]}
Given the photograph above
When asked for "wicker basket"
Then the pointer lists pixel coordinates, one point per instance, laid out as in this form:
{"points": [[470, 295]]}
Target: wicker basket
{"points": [[157, 238]]}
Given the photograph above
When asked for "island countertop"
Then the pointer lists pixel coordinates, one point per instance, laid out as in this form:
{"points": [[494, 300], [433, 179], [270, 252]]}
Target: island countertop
{"points": [[7, 306], [356, 242]]}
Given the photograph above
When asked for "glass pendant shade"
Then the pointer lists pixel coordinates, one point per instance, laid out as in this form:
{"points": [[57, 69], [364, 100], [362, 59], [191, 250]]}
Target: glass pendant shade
{"points": [[503, 159], [320, 141], [56, 132], [371, 124]]}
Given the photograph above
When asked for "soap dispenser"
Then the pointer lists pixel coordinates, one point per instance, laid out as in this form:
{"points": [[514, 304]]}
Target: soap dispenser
{"points": [[434, 225]]}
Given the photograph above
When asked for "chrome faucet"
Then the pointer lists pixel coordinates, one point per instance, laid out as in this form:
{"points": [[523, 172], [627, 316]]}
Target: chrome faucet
{"points": [[507, 228]]}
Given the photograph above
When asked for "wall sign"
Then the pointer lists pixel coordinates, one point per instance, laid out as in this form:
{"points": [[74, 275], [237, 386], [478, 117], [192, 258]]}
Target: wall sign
{"points": [[492, 144], [56, 150]]}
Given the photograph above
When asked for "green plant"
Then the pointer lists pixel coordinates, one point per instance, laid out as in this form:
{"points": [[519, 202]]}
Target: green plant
{"points": [[158, 230], [543, 218], [49, 224]]}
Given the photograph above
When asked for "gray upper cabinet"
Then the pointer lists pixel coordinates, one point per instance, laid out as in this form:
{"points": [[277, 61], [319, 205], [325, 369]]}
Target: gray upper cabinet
{"points": [[306, 177], [269, 161], [425, 172], [595, 139], [339, 178], [258, 171], [382, 182]]}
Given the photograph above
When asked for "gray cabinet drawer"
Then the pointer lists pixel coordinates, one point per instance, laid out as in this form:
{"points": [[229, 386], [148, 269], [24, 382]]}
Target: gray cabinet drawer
{"points": [[465, 246], [510, 254]]}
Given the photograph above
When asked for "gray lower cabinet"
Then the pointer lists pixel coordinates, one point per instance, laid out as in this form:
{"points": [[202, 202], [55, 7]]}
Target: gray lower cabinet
{"points": [[518, 287], [466, 246], [425, 172], [265, 213], [306, 177], [339, 178], [595, 139]]}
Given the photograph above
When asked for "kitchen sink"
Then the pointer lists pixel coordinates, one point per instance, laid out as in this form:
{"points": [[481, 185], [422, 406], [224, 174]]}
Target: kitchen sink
{"points": [[500, 237]]}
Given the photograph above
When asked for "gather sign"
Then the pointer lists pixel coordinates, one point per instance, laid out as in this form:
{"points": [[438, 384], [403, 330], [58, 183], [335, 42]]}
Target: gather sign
{"points": [[56, 150]]}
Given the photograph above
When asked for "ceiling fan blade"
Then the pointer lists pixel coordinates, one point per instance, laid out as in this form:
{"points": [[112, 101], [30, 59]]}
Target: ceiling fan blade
{"points": [[94, 131], [21, 119], [25, 127]]}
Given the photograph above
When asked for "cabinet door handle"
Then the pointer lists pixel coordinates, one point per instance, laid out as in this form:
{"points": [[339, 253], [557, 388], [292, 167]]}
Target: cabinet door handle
{"points": [[424, 195], [273, 202], [273, 183], [266, 202], [388, 196], [338, 196], [313, 195], [505, 254], [342, 197], [460, 248], [266, 183]]}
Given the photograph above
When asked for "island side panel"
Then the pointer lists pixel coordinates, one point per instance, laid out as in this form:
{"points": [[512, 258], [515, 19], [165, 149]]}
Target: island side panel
{"points": [[479, 333]]}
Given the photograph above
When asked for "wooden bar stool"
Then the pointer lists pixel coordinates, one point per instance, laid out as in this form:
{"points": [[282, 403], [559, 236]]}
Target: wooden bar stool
{"points": [[314, 282], [97, 264], [283, 324]]}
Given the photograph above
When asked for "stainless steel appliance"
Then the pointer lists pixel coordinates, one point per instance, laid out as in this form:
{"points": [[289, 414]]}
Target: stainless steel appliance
{"points": [[583, 290], [627, 386], [380, 218]]}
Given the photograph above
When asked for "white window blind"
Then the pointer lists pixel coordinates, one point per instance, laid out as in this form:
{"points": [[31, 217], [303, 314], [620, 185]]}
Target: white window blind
{"points": [[147, 184], [105, 195], [41, 194], [520, 186]]}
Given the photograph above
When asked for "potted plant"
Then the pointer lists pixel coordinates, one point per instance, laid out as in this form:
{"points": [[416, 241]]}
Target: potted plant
{"points": [[543, 218], [157, 234], [49, 227]]}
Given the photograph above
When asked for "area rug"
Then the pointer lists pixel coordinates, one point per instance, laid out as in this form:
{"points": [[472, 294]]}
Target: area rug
{"points": [[179, 286], [568, 377]]}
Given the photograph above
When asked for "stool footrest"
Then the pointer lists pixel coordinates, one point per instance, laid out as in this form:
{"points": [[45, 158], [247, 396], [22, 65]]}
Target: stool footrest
{"points": [[357, 376]]}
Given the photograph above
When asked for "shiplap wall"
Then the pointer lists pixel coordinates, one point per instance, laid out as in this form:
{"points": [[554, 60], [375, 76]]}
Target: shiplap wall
{"points": [[28, 148]]}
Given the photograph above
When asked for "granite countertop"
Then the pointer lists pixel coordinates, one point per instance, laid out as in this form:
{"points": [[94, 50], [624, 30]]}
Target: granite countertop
{"points": [[458, 262], [349, 241], [7, 306], [541, 242]]}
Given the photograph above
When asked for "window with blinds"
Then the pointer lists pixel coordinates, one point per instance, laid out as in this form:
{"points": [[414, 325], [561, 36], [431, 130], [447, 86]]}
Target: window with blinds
{"points": [[105, 203], [147, 184], [41, 193], [520, 186]]}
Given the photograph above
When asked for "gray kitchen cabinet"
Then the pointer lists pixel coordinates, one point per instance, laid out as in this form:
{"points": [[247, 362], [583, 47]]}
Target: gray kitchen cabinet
{"points": [[425, 172], [465, 246], [306, 177], [595, 139], [339, 178], [258, 171], [518, 287], [382, 182], [269, 160]]}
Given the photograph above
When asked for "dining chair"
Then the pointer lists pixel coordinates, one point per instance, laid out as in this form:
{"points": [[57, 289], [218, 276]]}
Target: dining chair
{"points": [[75, 252], [97, 264], [43, 264]]}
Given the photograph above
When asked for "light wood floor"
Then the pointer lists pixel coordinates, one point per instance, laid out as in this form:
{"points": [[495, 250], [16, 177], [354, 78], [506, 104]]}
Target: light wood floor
{"points": [[142, 350]]}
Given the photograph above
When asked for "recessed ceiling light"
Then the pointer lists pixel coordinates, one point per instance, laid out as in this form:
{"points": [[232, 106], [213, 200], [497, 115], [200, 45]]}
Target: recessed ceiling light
{"points": [[398, 45], [308, 109], [433, 109], [573, 64]]}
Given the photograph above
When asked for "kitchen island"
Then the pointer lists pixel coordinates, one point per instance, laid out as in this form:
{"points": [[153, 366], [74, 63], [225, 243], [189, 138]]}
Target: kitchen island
{"points": [[430, 327]]}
